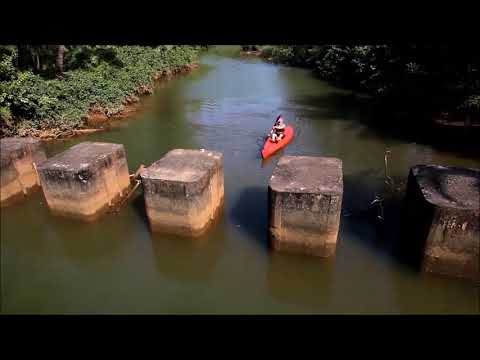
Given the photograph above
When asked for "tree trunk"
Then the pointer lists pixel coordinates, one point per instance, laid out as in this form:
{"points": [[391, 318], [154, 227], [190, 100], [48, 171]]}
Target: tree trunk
{"points": [[467, 123], [22, 57], [35, 58], [59, 63], [37, 62]]}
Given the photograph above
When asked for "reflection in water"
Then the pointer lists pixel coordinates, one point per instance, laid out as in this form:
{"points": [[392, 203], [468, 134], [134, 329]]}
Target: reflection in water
{"points": [[52, 265], [188, 259], [91, 246], [197, 261], [297, 279]]}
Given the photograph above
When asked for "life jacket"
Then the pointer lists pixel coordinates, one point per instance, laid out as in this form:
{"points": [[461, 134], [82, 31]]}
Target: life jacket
{"points": [[280, 130]]}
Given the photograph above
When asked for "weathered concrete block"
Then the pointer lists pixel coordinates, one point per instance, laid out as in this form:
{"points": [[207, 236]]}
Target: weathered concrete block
{"points": [[443, 219], [17, 171], [184, 191], [305, 196], [84, 180]]}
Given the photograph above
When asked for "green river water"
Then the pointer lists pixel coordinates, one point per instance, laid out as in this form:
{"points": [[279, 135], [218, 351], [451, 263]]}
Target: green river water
{"points": [[52, 265]]}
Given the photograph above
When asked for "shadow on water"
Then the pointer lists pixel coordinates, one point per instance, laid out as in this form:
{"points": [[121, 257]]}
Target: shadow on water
{"points": [[250, 211], [386, 236], [335, 105], [417, 216], [138, 204], [382, 122]]}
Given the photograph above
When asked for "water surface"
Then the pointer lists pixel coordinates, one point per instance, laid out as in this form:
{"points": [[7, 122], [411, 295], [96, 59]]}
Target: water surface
{"points": [[55, 265]]}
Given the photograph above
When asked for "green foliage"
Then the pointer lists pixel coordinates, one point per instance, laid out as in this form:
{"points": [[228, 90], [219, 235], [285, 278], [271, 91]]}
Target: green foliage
{"points": [[5, 114], [96, 76], [250, 47], [471, 104], [28, 96], [7, 60], [90, 56], [438, 76], [283, 54]]}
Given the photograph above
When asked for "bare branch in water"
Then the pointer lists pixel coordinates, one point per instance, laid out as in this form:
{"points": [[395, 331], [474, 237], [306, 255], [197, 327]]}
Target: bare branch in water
{"points": [[388, 179]]}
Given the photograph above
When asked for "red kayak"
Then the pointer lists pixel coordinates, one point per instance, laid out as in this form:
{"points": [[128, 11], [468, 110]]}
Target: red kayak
{"points": [[270, 147]]}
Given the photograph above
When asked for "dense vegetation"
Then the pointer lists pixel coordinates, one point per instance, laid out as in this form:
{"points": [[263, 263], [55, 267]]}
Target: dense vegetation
{"points": [[440, 79], [44, 86], [250, 47], [54, 87]]}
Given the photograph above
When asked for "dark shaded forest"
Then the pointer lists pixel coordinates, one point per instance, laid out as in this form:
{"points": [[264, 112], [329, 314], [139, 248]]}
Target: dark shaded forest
{"points": [[442, 81]]}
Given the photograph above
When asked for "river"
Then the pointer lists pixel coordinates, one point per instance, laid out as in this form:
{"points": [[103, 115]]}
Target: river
{"points": [[52, 265]]}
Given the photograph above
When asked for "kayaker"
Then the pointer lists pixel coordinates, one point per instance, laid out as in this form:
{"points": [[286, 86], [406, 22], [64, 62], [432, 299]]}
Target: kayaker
{"points": [[278, 131]]}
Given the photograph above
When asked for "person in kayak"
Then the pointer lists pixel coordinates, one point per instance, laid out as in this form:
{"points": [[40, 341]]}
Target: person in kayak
{"points": [[278, 131]]}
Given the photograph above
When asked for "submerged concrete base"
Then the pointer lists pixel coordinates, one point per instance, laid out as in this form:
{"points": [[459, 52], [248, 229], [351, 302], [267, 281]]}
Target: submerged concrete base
{"points": [[85, 180], [184, 191], [443, 219], [305, 198], [17, 170]]}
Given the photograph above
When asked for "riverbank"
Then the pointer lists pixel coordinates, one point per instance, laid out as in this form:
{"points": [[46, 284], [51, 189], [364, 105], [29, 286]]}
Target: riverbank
{"points": [[409, 87], [88, 98], [429, 77], [217, 107], [257, 53], [100, 118]]}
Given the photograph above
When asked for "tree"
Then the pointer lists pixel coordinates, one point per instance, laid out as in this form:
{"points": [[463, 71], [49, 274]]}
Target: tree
{"points": [[42, 59], [59, 62]]}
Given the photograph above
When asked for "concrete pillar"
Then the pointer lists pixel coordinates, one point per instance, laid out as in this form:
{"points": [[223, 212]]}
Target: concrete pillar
{"points": [[305, 196], [442, 219], [17, 169], [184, 191], [84, 180]]}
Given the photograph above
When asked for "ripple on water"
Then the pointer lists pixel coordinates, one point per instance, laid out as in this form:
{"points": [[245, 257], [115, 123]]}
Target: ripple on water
{"points": [[117, 265]]}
